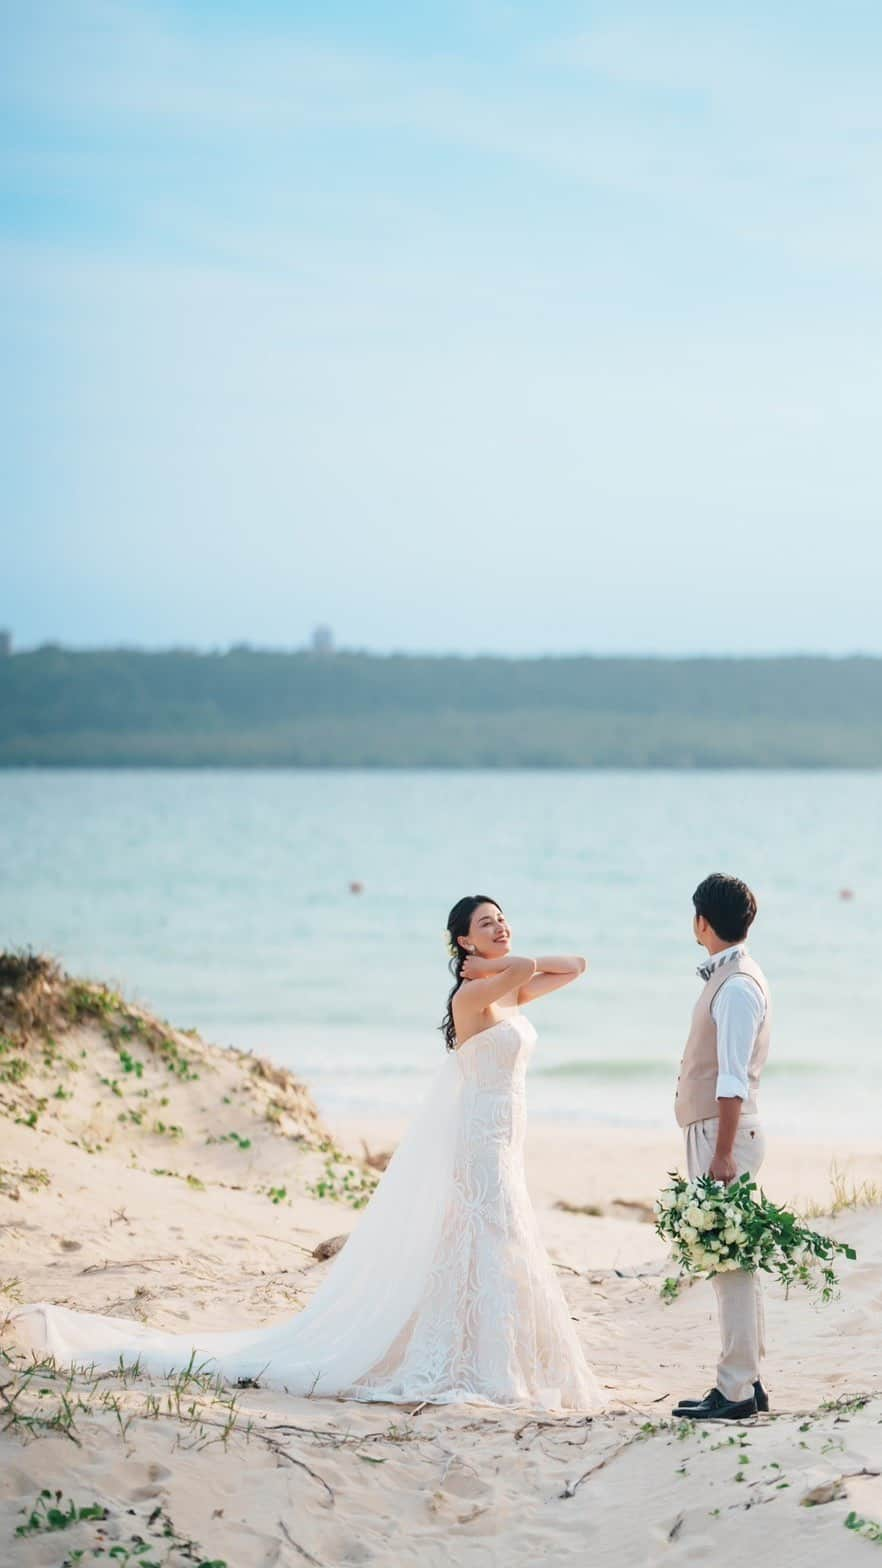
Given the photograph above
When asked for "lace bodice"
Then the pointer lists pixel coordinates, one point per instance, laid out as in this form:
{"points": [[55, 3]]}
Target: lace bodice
{"points": [[496, 1058]]}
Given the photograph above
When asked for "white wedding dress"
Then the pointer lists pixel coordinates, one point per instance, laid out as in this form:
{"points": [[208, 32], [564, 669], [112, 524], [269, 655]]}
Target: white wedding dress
{"points": [[443, 1292]]}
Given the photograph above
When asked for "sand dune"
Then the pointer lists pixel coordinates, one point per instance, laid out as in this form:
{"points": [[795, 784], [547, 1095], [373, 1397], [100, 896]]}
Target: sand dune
{"points": [[180, 1194]]}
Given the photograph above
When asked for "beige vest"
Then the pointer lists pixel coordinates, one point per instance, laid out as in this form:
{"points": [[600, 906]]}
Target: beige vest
{"points": [[696, 1097]]}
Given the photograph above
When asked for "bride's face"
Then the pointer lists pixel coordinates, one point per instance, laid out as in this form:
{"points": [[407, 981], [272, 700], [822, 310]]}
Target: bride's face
{"points": [[488, 933]]}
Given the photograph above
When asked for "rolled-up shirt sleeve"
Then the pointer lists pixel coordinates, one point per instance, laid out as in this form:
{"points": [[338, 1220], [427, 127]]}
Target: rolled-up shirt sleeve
{"points": [[738, 1010]]}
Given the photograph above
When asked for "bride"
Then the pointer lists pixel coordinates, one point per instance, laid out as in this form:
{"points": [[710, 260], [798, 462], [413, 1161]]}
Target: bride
{"points": [[443, 1292]]}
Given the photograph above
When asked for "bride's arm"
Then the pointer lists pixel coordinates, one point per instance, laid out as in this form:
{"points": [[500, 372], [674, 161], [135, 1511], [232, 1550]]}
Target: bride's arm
{"points": [[551, 974], [488, 980]]}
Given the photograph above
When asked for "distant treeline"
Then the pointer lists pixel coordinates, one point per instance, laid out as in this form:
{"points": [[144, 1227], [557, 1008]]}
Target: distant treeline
{"points": [[248, 708]]}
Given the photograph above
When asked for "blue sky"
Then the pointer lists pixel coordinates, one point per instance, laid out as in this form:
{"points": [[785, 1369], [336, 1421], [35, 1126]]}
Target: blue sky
{"points": [[461, 327]]}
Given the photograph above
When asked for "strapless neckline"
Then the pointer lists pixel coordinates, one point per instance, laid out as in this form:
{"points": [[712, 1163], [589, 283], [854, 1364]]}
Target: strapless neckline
{"points": [[501, 1023]]}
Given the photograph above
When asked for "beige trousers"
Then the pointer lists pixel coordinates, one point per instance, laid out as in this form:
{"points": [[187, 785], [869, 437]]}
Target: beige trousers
{"points": [[739, 1294]]}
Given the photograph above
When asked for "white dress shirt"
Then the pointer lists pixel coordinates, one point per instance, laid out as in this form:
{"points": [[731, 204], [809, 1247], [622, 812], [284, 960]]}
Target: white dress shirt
{"points": [[738, 1010]]}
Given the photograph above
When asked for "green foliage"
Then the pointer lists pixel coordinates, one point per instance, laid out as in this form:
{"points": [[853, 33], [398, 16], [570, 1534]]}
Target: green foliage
{"points": [[250, 708], [86, 1001], [341, 1181], [192, 1181], [846, 1404], [47, 1514], [33, 1115], [236, 1138], [868, 1528], [123, 1025], [13, 1069]]}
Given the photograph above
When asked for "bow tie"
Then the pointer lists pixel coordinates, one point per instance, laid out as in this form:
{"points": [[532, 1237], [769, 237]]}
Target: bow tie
{"points": [[704, 971]]}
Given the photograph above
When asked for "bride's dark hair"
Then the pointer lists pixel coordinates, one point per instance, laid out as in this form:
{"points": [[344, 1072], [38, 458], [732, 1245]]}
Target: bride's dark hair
{"points": [[458, 922]]}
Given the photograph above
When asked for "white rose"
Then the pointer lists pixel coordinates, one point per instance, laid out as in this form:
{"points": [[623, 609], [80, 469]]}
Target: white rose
{"points": [[694, 1216], [688, 1233]]}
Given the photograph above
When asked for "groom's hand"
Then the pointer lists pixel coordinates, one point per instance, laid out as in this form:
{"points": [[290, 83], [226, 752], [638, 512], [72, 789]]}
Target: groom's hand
{"points": [[722, 1168]]}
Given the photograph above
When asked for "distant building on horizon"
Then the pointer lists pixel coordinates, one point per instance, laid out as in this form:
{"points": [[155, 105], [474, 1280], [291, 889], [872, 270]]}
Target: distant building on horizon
{"points": [[5, 644], [322, 640]]}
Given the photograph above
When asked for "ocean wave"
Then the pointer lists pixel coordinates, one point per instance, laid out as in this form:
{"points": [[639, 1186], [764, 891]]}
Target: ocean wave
{"points": [[609, 1069], [618, 1067]]}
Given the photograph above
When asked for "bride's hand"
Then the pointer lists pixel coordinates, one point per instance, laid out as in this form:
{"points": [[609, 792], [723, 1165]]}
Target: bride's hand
{"points": [[476, 968]]}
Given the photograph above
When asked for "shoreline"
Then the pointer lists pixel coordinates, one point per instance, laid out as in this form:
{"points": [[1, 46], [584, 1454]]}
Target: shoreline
{"points": [[794, 1107]]}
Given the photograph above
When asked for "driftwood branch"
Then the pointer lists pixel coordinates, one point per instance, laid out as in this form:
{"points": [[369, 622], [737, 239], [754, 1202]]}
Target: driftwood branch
{"points": [[300, 1550], [275, 1447], [572, 1487], [582, 1425], [300, 1464]]}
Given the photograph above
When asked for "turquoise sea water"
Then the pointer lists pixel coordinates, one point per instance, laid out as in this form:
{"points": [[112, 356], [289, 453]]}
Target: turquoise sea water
{"points": [[221, 898]]}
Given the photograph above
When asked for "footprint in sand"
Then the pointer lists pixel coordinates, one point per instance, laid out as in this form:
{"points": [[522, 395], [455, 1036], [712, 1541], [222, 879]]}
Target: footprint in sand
{"points": [[155, 1477]]}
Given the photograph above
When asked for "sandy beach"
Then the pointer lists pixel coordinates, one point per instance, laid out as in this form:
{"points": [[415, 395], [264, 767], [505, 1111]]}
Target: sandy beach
{"points": [[146, 1173]]}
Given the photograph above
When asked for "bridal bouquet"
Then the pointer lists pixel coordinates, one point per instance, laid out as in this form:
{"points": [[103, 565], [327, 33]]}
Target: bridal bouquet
{"points": [[714, 1228]]}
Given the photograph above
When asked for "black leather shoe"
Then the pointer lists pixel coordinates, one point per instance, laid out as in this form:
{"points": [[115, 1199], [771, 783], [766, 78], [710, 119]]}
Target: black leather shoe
{"points": [[716, 1407], [760, 1394]]}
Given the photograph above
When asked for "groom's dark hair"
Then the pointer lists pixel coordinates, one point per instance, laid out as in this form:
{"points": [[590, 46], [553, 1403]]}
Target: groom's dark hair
{"points": [[727, 905]]}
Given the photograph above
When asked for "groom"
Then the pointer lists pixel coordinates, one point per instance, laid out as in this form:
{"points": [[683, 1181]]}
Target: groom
{"points": [[716, 1105]]}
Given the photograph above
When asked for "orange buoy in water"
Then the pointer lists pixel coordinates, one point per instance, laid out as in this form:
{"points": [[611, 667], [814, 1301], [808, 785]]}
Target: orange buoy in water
{"points": [[356, 887], [846, 894]]}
